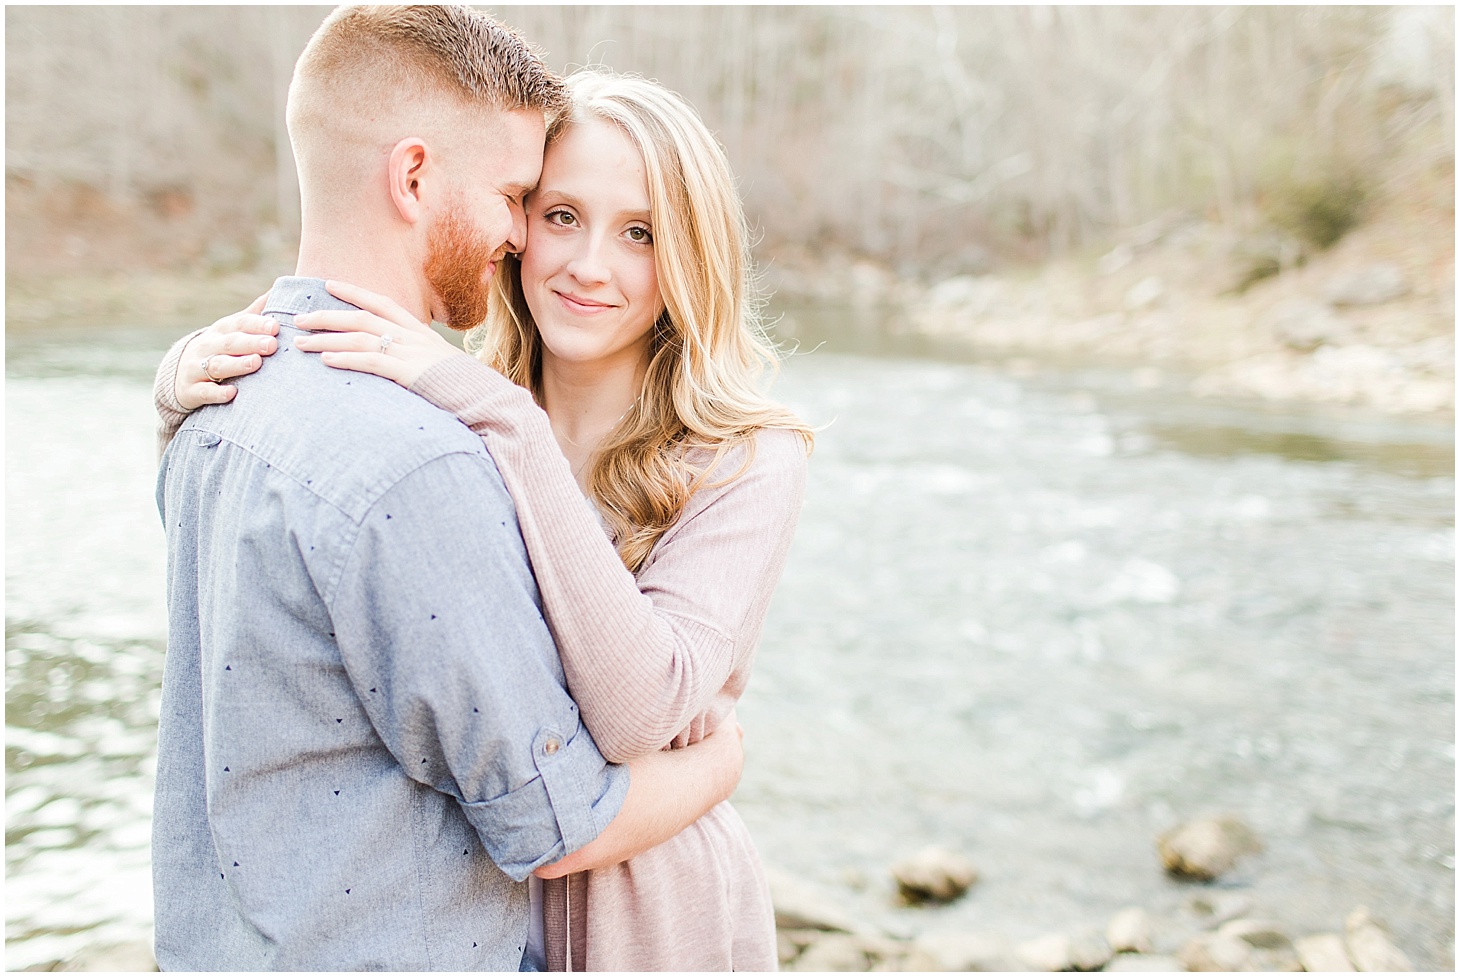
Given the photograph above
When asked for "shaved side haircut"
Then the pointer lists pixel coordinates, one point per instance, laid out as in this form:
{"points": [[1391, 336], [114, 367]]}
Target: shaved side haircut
{"points": [[372, 75]]}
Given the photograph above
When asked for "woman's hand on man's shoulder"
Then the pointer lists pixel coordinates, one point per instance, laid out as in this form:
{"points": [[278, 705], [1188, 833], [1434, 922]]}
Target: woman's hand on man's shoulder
{"points": [[231, 347]]}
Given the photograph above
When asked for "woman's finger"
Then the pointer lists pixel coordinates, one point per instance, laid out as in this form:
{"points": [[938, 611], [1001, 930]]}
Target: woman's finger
{"points": [[376, 363], [212, 342], [258, 325], [211, 393], [335, 320], [246, 322], [242, 343], [339, 342], [227, 367], [382, 306], [256, 307]]}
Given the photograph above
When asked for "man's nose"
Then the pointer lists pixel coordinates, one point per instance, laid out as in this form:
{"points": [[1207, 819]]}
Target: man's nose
{"points": [[517, 238]]}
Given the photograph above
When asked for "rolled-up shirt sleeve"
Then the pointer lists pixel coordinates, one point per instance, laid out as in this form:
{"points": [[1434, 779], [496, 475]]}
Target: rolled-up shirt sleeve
{"points": [[439, 627]]}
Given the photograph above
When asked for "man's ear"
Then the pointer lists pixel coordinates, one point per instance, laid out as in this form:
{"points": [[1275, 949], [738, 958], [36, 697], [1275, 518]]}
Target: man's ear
{"points": [[410, 163]]}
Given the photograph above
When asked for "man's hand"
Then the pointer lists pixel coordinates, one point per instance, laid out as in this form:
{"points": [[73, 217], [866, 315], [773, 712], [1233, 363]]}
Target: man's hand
{"points": [[668, 791]]}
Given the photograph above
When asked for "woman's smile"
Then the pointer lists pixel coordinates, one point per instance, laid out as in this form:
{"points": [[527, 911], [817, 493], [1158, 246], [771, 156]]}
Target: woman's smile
{"points": [[579, 305]]}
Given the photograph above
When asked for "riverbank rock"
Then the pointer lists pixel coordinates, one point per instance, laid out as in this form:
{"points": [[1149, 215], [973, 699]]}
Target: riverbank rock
{"points": [[135, 957], [1372, 285], [1087, 951], [1324, 953], [1148, 963], [1144, 293], [1215, 908], [801, 906], [834, 953], [910, 958], [1369, 946], [934, 875], [1206, 848], [1050, 954], [1130, 931], [1404, 379], [969, 951], [1271, 951], [790, 943], [1304, 326], [855, 953], [1215, 953]]}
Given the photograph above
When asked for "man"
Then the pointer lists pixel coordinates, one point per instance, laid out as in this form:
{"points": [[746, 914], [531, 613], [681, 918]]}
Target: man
{"points": [[365, 742]]}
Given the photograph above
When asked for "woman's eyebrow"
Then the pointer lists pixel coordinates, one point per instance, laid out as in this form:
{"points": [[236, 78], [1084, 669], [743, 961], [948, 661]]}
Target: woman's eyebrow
{"points": [[560, 196]]}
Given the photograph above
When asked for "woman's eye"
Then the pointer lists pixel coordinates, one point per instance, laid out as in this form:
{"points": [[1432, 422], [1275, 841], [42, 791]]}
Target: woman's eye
{"points": [[560, 217], [640, 235]]}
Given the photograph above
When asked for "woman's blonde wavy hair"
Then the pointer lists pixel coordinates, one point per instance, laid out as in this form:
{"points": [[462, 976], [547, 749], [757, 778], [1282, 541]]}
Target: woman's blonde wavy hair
{"points": [[709, 357]]}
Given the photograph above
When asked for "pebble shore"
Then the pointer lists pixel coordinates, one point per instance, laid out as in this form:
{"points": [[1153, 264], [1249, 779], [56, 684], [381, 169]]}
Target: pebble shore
{"points": [[1216, 933]]}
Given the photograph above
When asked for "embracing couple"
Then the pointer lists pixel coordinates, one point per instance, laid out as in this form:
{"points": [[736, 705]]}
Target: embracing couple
{"points": [[456, 640]]}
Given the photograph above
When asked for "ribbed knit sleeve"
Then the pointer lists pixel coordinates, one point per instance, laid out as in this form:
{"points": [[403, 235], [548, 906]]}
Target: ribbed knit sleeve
{"points": [[170, 413], [644, 657]]}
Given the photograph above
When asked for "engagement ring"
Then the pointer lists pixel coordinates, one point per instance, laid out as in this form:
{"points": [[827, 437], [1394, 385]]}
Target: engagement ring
{"points": [[207, 361], [385, 342]]}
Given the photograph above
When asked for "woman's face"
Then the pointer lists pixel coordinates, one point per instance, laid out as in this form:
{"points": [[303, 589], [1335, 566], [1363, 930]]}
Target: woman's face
{"points": [[588, 269]]}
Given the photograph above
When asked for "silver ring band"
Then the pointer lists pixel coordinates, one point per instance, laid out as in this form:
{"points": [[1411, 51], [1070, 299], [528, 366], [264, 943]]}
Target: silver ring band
{"points": [[207, 372], [385, 342]]}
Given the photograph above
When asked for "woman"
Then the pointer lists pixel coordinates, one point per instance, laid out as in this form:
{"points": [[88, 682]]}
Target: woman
{"points": [[630, 320]]}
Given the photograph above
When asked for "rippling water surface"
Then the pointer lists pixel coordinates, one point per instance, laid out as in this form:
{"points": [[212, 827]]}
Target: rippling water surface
{"points": [[1036, 618]]}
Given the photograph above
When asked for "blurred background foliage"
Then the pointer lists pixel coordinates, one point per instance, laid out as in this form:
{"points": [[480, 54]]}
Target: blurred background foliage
{"points": [[934, 141]]}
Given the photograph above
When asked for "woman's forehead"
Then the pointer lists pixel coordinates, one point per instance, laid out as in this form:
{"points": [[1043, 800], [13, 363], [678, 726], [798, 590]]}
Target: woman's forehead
{"points": [[592, 152]]}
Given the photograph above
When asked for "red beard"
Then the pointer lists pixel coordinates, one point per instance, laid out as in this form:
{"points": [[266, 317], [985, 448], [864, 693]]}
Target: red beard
{"points": [[457, 259]]}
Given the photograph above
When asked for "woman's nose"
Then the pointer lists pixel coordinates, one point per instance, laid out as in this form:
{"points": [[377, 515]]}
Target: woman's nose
{"points": [[588, 264]]}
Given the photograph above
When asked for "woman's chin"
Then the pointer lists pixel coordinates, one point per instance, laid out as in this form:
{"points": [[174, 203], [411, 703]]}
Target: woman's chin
{"points": [[588, 354], [575, 355]]}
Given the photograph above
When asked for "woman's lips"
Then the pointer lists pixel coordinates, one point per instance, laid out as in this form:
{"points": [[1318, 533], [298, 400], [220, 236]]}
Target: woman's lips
{"points": [[581, 305]]}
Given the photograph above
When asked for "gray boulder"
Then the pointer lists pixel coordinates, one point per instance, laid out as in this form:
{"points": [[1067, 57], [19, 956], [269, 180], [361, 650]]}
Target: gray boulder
{"points": [[1304, 326], [800, 905], [1215, 953], [934, 875], [1369, 946], [968, 951], [1149, 963], [1130, 931], [1089, 951], [1272, 951], [1372, 285], [1206, 848], [1050, 954], [911, 958], [1212, 909], [1086, 951], [1323, 953], [790, 943], [835, 953]]}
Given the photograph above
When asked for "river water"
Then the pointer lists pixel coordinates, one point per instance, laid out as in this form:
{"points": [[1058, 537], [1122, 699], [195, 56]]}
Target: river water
{"points": [[1036, 615]]}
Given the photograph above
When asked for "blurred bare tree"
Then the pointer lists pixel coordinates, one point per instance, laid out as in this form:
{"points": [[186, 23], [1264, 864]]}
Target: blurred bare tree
{"points": [[935, 139]]}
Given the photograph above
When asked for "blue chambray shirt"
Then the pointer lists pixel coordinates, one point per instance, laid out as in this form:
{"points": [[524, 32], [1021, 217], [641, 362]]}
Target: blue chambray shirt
{"points": [[365, 736]]}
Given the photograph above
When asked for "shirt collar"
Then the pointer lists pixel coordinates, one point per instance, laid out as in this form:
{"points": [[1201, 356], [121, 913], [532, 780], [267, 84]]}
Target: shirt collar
{"points": [[292, 295]]}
